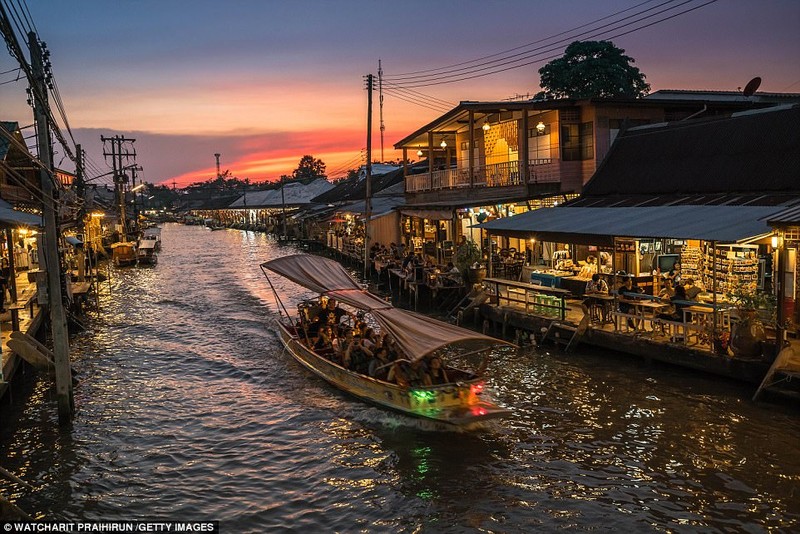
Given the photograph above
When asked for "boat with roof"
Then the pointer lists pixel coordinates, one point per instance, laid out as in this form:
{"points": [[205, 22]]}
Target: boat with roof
{"points": [[390, 357]]}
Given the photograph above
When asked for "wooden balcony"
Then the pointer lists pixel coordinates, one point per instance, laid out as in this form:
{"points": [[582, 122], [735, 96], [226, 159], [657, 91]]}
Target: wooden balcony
{"points": [[505, 174]]}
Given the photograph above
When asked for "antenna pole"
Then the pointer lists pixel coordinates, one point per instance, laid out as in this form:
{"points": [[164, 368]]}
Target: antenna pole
{"points": [[380, 105]]}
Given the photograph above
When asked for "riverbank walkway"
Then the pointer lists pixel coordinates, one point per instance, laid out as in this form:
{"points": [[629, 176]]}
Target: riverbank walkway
{"points": [[24, 315]]}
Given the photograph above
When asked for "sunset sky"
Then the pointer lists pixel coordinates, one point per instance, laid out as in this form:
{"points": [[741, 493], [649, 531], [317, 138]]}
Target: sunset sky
{"points": [[265, 82]]}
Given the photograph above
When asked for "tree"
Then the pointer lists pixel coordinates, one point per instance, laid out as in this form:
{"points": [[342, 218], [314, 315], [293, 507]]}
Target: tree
{"points": [[309, 168], [593, 69]]}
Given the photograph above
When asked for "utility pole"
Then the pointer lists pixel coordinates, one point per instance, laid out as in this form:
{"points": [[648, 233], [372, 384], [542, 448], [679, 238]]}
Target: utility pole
{"points": [[120, 179], [135, 168], [58, 318], [218, 173], [283, 207], [368, 197]]}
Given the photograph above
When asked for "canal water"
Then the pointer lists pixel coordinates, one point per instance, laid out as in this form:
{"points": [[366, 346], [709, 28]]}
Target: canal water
{"points": [[187, 408]]}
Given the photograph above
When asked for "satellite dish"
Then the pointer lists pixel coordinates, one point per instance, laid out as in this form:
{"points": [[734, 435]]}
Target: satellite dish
{"points": [[752, 86]]}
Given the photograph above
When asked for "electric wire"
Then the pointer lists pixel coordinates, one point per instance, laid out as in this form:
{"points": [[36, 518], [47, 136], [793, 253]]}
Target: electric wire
{"points": [[544, 39], [544, 48], [537, 58], [399, 96]]}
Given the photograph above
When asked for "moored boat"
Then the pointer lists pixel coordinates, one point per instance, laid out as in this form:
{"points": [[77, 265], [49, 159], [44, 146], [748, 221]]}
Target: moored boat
{"points": [[458, 401], [154, 235], [146, 253], [123, 253]]}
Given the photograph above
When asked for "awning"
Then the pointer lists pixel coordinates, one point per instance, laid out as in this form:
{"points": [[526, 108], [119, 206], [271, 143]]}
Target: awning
{"points": [[431, 214], [726, 224], [10, 216], [415, 334]]}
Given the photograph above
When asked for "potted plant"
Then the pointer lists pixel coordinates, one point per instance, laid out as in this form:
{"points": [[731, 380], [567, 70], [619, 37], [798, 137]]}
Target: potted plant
{"points": [[748, 335], [467, 259]]}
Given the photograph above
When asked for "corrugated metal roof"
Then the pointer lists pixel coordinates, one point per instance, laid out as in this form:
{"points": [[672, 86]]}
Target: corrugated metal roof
{"points": [[380, 205], [787, 216], [8, 215], [726, 224], [294, 193]]}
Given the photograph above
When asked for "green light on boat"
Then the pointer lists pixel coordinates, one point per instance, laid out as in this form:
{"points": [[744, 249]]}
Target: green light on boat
{"points": [[421, 396]]}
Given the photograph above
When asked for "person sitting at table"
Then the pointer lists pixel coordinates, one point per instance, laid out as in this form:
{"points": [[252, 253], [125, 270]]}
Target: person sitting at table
{"points": [[626, 287], [668, 291], [691, 290], [451, 276], [596, 285], [675, 310]]}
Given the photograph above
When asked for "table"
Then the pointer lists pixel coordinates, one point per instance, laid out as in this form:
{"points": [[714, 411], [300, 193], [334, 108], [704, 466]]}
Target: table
{"points": [[602, 301], [549, 280], [700, 319], [643, 310]]}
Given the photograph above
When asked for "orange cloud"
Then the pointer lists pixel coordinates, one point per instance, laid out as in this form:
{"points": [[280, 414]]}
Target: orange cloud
{"points": [[268, 156]]}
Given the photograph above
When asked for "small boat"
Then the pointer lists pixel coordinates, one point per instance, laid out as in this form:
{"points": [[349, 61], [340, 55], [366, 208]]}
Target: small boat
{"points": [[461, 401], [146, 253], [123, 253], [153, 234]]}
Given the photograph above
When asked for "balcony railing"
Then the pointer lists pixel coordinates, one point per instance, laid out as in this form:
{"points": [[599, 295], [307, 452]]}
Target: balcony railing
{"points": [[502, 174]]}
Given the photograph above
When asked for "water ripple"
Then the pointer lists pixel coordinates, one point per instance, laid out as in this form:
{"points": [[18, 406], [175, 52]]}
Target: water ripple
{"points": [[188, 408]]}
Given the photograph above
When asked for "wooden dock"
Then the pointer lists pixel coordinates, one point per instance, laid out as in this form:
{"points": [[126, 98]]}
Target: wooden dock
{"points": [[24, 315]]}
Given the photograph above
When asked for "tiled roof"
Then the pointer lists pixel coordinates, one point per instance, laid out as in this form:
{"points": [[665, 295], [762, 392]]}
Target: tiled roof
{"points": [[755, 152]]}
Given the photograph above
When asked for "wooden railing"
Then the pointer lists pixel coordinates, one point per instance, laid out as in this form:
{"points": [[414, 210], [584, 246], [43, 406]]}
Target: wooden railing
{"points": [[502, 174]]}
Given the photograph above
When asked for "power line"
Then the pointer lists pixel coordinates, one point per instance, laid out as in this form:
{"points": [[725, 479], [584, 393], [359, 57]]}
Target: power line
{"points": [[544, 39], [527, 53], [538, 57]]}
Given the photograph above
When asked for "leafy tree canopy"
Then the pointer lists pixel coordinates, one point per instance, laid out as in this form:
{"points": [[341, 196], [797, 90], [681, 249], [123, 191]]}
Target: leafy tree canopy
{"points": [[593, 69], [309, 167]]}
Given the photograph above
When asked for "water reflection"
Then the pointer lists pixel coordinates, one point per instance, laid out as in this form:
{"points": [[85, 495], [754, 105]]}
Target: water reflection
{"points": [[188, 407]]}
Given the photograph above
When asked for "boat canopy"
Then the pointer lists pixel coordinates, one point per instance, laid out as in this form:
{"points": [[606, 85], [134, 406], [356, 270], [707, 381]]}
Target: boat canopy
{"points": [[417, 335], [147, 244]]}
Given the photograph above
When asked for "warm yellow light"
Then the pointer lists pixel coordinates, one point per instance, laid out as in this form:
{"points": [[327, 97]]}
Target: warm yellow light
{"points": [[533, 240], [540, 127], [443, 144], [419, 153], [486, 126], [98, 215], [774, 241], [24, 231]]}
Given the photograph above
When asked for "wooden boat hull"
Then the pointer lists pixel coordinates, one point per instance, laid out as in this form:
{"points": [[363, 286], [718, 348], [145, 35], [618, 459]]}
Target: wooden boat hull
{"points": [[452, 404]]}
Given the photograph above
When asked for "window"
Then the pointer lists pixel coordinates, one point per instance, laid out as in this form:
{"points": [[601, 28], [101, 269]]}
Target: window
{"points": [[570, 142], [587, 140], [577, 141]]}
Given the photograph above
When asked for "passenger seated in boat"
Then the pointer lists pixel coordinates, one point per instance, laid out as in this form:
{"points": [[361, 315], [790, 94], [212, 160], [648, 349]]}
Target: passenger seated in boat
{"points": [[340, 345], [368, 338], [397, 375], [324, 340], [333, 313], [357, 357], [436, 373], [379, 365], [392, 348], [416, 373]]}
